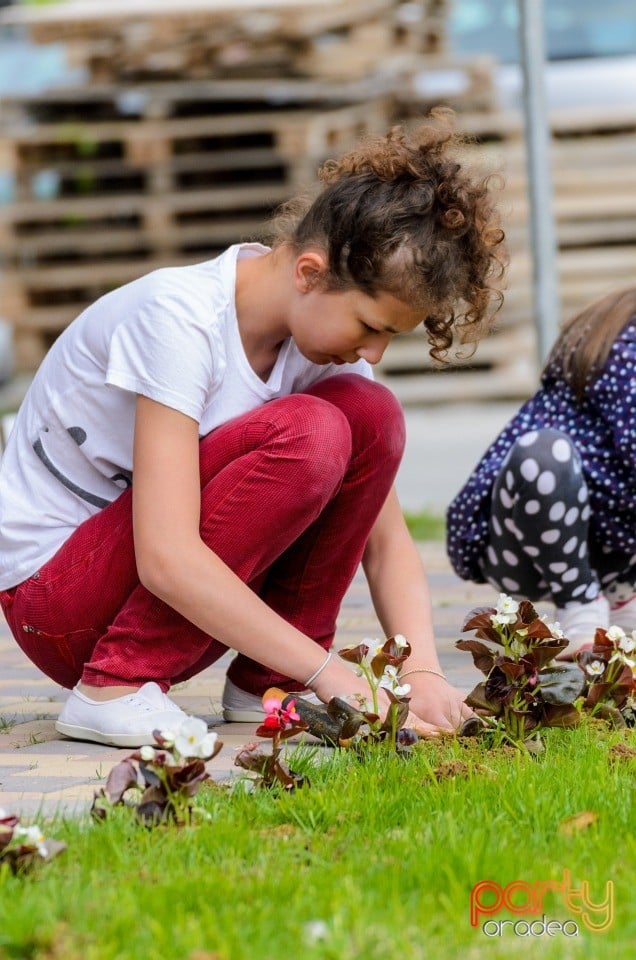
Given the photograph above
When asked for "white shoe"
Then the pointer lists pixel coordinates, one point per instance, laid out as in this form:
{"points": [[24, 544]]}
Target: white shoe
{"points": [[580, 620], [623, 614], [242, 707], [124, 722]]}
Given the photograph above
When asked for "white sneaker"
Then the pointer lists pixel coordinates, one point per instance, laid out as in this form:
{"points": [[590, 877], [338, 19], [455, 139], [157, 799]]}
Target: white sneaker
{"points": [[579, 622], [242, 707], [124, 722], [623, 614]]}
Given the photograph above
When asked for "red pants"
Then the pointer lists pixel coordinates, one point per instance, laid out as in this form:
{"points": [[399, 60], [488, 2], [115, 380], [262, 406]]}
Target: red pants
{"points": [[289, 493]]}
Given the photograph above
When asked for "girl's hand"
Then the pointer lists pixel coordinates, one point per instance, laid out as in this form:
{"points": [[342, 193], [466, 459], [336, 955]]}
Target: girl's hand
{"points": [[338, 680], [436, 703]]}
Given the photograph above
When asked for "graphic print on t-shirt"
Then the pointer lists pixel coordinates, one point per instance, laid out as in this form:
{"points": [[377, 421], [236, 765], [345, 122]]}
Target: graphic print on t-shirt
{"points": [[78, 434]]}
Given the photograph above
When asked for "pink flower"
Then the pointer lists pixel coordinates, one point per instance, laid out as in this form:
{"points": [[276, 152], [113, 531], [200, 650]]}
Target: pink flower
{"points": [[272, 722], [288, 714], [279, 717]]}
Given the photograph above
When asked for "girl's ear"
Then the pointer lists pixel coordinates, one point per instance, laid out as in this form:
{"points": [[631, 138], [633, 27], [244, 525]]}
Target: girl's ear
{"points": [[310, 270]]}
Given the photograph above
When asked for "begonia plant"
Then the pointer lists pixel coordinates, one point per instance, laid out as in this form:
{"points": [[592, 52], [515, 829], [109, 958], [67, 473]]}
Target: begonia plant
{"points": [[159, 782]]}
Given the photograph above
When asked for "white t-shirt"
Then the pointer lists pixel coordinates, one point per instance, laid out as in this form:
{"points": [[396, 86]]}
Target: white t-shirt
{"points": [[171, 336]]}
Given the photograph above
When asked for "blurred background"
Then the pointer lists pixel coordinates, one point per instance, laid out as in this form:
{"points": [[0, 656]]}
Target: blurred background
{"points": [[140, 133]]}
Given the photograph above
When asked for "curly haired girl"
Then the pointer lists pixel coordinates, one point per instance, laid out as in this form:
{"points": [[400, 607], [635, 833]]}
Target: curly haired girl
{"points": [[203, 458]]}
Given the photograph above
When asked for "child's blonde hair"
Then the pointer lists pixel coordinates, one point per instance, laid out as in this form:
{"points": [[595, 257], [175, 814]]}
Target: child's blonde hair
{"points": [[403, 214], [583, 345]]}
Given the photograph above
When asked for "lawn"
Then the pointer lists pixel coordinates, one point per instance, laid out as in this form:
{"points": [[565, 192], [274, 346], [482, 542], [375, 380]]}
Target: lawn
{"points": [[426, 525], [376, 859]]}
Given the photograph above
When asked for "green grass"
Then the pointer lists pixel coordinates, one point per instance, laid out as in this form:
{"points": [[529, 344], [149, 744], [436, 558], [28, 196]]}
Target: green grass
{"points": [[426, 525], [380, 852]]}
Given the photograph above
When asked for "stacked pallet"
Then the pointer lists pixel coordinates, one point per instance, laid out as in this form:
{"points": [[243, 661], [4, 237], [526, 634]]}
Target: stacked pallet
{"points": [[593, 157], [197, 120], [109, 184], [199, 39]]}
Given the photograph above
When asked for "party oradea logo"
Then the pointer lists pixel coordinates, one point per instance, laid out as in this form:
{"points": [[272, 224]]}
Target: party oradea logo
{"points": [[524, 899]]}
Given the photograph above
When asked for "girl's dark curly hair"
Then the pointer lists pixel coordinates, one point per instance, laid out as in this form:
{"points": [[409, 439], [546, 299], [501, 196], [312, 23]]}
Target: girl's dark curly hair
{"points": [[403, 214]]}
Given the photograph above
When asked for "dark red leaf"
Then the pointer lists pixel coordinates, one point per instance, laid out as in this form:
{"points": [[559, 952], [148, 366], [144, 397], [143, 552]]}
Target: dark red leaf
{"points": [[121, 778], [553, 715], [396, 715], [379, 662], [391, 648], [287, 777], [542, 653], [6, 833], [483, 656], [267, 732], [511, 668], [478, 617], [527, 613], [538, 630], [354, 654], [479, 701], [299, 727], [484, 628]]}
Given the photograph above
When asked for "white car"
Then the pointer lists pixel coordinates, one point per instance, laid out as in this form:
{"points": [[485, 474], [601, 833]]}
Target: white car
{"points": [[590, 48]]}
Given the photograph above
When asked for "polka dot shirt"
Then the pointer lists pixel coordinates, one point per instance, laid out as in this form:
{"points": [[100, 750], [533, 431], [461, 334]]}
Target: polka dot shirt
{"points": [[602, 428]]}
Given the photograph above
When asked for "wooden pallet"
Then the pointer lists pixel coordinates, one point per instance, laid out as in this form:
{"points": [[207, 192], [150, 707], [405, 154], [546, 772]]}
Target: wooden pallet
{"points": [[503, 367], [466, 84], [335, 38], [165, 180], [135, 193]]}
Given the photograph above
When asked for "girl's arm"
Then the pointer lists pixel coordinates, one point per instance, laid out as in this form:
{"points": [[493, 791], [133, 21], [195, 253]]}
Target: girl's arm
{"points": [[176, 565], [400, 595]]}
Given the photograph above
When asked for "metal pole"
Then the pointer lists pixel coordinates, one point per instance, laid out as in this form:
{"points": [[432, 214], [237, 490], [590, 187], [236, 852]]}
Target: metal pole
{"points": [[546, 305]]}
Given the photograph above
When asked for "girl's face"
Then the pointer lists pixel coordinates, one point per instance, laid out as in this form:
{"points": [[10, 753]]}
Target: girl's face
{"points": [[343, 327]]}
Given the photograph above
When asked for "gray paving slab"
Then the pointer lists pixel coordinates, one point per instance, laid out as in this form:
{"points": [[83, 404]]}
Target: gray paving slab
{"points": [[443, 444]]}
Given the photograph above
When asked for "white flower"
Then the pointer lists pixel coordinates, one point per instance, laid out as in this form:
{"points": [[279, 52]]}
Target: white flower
{"points": [[32, 837], [4, 814], [389, 677], [147, 754], [193, 740], [400, 641], [391, 681], [596, 668], [168, 737], [623, 659], [615, 634], [315, 931], [507, 610], [555, 630], [627, 644]]}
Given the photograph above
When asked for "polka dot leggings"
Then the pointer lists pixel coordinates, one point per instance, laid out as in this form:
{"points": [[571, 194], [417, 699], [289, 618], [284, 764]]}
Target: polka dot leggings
{"points": [[539, 525]]}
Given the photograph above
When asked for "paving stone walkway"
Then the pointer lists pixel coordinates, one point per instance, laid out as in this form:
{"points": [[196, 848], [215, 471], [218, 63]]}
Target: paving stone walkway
{"points": [[41, 772]]}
